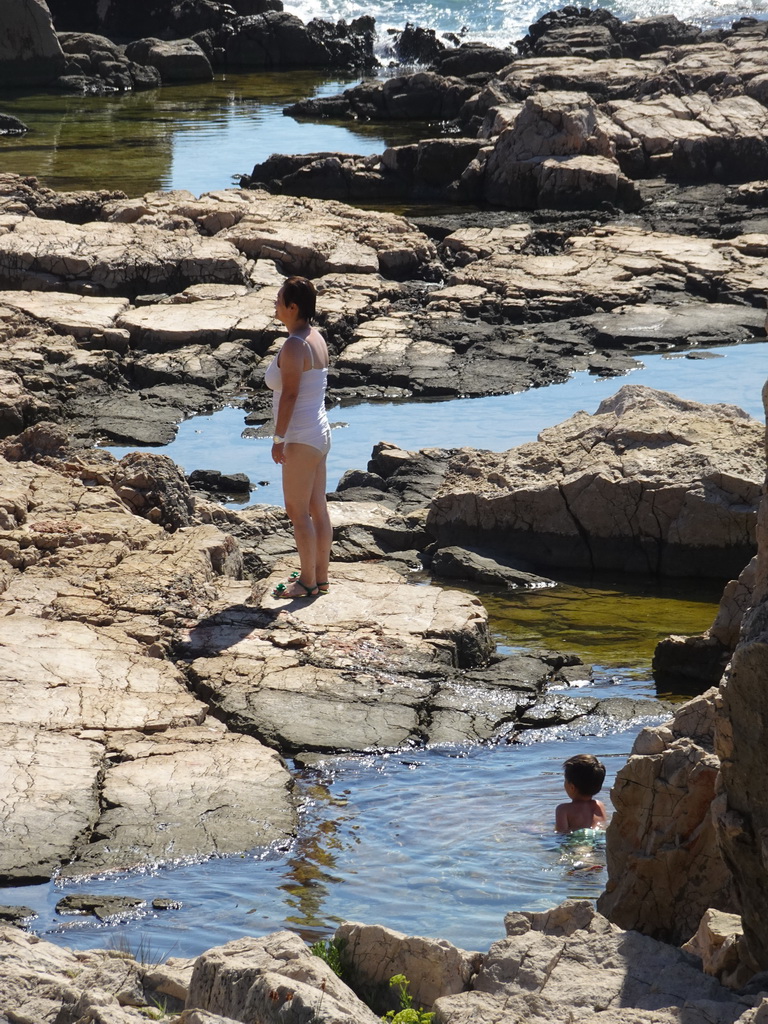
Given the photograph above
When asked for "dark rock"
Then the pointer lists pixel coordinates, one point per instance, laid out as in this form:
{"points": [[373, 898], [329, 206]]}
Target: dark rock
{"points": [[720, 158], [10, 125], [180, 60], [357, 478], [472, 58], [689, 664], [160, 903], [276, 39], [103, 907], [465, 564], [416, 45], [226, 483], [441, 161], [419, 96], [645, 35], [16, 915]]}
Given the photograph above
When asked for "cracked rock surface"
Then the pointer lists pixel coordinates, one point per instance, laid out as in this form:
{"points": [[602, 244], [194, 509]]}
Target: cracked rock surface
{"points": [[651, 483]]}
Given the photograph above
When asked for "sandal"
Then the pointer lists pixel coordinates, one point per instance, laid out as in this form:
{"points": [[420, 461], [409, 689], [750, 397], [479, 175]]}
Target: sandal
{"points": [[280, 589], [322, 588]]}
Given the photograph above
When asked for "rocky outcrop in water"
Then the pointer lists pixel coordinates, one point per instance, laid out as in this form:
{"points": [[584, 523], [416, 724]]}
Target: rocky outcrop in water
{"points": [[687, 832], [140, 669], [664, 867], [591, 107], [650, 483]]}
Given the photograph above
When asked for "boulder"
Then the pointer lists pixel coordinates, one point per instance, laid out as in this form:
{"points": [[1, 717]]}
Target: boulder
{"points": [[276, 980], [276, 39], [556, 153], [177, 60], [622, 489], [30, 53], [416, 45], [598, 972], [664, 866], [719, 942], [10, 125], [472, 58], [96, 65], [462, 564], [742, 814], [372, 954]]}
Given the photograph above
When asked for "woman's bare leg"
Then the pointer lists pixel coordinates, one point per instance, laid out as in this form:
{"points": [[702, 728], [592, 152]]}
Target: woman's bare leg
{"points": [[318, 510], [300, 473]]}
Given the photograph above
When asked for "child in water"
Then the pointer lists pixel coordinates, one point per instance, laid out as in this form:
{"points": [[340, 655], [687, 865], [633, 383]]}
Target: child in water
{"points": [[584, 776]]}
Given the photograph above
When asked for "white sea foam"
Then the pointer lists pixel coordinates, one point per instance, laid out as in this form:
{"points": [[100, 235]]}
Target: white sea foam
{"points": [[501, 22]]}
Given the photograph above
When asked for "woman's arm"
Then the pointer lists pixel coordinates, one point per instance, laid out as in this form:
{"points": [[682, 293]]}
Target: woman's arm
{"points": [[291, 362]]}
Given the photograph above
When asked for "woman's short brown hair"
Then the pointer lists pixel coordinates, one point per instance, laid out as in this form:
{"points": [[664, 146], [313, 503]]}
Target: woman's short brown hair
{"points": [[301, 291]]}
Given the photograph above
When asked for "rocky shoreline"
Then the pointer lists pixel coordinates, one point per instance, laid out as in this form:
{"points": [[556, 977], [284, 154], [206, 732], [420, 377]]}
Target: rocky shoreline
{"points": [[144, 662]]}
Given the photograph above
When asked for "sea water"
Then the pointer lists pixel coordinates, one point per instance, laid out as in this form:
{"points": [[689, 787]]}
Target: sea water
{"points": [[728, 374]]}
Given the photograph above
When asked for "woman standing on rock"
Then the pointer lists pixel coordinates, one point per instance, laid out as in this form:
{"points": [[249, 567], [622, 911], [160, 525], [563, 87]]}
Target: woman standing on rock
{"points": [[298, 377]]}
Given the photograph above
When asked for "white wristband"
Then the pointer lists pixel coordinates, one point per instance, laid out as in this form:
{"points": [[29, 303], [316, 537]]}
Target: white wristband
{"points": [[276, 439]]}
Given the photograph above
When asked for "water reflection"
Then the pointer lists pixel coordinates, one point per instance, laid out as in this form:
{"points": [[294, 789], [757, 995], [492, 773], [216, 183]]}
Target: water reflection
{"points": [[195, 136], [612, 621]]}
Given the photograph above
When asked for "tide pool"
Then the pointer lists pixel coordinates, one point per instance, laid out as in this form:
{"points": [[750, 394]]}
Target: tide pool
{"points": [[732, 375]]}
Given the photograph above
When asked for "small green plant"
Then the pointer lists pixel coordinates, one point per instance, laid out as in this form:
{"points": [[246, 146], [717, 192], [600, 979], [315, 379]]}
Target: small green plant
{"points": [[330, 951], [407, 1014]]}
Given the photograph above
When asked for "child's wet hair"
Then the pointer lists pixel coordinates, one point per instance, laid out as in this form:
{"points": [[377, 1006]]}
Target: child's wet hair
{"points": [[585, 772]]}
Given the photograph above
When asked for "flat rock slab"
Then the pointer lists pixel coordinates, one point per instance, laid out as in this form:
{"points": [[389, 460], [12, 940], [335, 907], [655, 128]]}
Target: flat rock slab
{"points": [[49, 799], [188, 793], [79, 315], [649, 483], [315, 678], [375, 597], [683, 325], [73, 676], [209, 321], [120, 258]]}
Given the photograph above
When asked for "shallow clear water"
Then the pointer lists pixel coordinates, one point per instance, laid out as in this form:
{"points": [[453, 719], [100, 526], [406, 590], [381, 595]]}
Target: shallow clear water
{"points": [[733, 375], [384, 839], [195, 137]]}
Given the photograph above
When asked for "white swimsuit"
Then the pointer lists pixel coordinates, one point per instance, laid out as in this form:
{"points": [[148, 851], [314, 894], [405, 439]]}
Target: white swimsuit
{"points": [[309, 422]]}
